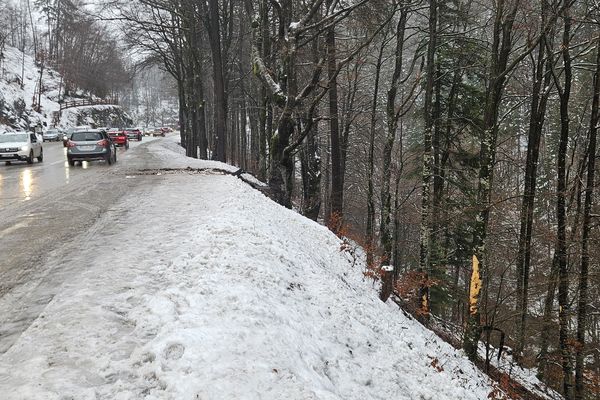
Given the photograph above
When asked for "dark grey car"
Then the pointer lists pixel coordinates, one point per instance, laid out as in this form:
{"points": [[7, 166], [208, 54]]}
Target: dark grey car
{"points": [[91, 145]]}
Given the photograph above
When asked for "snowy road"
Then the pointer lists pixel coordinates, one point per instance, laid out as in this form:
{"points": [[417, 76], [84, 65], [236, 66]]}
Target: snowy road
{"points": [[43, 208]]}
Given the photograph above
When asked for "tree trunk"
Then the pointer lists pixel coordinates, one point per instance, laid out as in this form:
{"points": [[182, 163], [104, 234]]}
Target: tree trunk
{"points": [[547, 318], [243, 135], [311, 176], [561, 188], [371, 159], [220, 96], [183, 132], [425, 232], [501, 47], [337, 190], [266, 111], [585, 237], [536, 121], [392, 125], [310, 161]]}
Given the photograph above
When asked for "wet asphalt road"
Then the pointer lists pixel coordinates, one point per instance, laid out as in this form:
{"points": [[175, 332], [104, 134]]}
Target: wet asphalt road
{"points": [[49, 207]]}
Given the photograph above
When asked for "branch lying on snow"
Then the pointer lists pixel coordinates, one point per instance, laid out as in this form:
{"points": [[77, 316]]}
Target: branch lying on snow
{"points": [[244, 176]]}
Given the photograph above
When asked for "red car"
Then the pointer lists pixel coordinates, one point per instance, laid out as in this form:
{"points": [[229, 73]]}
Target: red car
{"points": [[134, 133], [119, 137]]}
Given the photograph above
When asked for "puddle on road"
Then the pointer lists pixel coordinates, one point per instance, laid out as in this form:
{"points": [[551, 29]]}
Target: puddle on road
{"points": [[26, 183]]}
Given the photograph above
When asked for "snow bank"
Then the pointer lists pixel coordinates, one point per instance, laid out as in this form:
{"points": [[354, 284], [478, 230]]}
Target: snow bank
{"points": [[200, 287], [172, 155]]}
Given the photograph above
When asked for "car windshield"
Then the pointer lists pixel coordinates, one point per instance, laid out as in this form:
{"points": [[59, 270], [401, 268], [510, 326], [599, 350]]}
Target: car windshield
{"points": [[13, 138], [51, 132], [86, 136]]}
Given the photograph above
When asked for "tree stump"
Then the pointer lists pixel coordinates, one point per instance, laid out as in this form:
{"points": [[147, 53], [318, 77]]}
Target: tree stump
{"points": [[387, 278]]}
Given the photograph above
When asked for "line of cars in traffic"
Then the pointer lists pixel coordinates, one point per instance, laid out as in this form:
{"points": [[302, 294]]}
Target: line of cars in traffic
{"points": [[82, 143]]}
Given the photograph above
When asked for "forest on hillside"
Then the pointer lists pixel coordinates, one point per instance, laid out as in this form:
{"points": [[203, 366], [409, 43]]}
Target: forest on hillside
{"points": [[454, 141], [63, 36]]}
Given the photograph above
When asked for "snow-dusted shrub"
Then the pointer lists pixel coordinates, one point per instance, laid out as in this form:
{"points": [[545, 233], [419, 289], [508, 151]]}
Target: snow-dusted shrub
{"points": [[19, 107]]}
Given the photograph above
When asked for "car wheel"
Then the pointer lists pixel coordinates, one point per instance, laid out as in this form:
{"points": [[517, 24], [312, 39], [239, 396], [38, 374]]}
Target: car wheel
{"points": [[30, 158], [71, 162], [108, 159], [6, 162], [41, 156]]}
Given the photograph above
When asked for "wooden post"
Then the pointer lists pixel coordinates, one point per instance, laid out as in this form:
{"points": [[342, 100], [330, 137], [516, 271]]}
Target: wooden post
{"points": [[386, 282]]}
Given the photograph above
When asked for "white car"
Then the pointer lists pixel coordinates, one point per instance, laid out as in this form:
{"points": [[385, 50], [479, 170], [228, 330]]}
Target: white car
{"points": [[20, 146], [52, 135]]}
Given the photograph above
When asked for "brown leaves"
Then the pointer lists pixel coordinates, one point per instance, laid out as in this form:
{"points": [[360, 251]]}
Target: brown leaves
{"points": [[352, 242], [435, 364]]}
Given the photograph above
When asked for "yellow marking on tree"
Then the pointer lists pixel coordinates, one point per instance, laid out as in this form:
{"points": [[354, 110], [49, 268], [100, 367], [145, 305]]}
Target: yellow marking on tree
{"points": [[425, 304], [475, 287]]}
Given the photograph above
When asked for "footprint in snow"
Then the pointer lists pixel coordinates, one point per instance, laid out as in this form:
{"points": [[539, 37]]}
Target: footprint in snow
{"points": [[174, 351]]}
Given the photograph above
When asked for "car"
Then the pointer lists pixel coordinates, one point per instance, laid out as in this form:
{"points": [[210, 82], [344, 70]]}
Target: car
{"points": [[158, 132], [70, 131], [91, 145], [20, 146], [134, 133], [52, 135], [119, 137]]}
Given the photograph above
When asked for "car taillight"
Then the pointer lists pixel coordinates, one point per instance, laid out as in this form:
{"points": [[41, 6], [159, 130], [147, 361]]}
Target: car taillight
{"points": [[103, 143], [70, 144]]}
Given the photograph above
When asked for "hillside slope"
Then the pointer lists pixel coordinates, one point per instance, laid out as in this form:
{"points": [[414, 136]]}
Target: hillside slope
{"points": [[19, 80], [199, 287]]}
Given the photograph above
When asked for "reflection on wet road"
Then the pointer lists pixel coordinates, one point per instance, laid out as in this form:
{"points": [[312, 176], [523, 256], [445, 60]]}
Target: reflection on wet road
{"points": [[20, 181], [43, 208]]}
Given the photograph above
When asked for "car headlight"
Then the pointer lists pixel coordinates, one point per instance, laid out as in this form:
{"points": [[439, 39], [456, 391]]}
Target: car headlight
{"points": [[25, 148]]}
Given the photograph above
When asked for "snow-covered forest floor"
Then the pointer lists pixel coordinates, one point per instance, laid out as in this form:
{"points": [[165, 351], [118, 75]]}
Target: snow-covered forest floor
{"points": [[19, 82], [19, 79]]}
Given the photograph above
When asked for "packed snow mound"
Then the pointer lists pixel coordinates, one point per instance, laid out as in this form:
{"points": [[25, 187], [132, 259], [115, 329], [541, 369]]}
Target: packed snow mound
{"points": [[199, 287]]}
